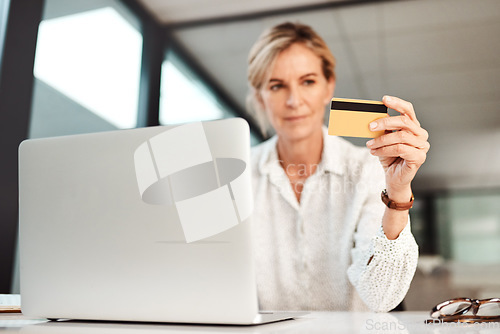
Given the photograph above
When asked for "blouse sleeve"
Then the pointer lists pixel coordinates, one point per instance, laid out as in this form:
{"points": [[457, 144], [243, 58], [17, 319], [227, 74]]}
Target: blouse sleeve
{"points": [[381, 269]]}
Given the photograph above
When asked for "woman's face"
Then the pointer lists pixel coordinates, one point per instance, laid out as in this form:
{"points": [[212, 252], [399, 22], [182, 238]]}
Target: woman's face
{"points": [[296, 94]]}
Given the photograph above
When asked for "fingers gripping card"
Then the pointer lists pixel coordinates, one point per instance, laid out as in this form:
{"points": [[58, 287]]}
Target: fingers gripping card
{"points": [[351, 117]]}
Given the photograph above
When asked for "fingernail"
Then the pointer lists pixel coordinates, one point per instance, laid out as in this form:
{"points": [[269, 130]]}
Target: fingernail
{"points": [[370, 142], [387, 98], [373, 125]]}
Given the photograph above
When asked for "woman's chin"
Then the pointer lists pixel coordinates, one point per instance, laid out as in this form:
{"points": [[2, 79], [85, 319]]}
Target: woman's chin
{"points": [[298, 132]]}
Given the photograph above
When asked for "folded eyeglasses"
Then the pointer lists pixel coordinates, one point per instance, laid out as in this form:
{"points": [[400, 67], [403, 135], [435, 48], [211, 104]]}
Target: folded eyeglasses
{"points": [[467, 310]]}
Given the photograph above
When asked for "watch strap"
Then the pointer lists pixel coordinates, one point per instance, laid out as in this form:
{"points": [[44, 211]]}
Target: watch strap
{"points": [[395, 205]]}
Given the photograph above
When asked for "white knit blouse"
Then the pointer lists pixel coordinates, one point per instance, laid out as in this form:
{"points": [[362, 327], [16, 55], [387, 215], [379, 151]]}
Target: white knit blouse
{"points": [[314, 255]]}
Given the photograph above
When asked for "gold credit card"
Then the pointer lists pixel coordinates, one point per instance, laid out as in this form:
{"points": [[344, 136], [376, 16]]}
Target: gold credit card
{"points": [[351, 117]]}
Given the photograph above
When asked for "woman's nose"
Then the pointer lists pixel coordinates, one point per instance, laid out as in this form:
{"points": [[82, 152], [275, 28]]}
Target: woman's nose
{"points": [[294, 98]]}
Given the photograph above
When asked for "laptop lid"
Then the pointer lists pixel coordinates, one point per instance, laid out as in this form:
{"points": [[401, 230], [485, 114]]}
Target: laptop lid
{"points": [[149, 224]]}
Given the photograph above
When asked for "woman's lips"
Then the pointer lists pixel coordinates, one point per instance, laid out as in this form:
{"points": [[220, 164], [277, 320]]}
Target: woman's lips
{"points": [[295, 118]]}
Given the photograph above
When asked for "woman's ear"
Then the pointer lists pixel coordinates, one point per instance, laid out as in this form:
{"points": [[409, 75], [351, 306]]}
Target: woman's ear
{"points": [[331, 90], [258, 99]]}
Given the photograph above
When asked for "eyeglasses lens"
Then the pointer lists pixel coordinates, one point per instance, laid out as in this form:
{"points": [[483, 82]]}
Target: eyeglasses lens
{"points": [[489, 309], [455, 308]]}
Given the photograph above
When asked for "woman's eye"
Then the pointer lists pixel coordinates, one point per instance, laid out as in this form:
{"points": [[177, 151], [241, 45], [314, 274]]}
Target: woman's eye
{"points": [[276, 87], [309, 82]]}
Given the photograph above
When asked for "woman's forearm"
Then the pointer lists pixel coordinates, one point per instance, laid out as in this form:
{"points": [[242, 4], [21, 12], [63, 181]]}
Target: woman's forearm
{"points": [[394, 221]]}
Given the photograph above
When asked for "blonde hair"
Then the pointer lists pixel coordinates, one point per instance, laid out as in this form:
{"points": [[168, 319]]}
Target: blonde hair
{"points": [[265, 51]]}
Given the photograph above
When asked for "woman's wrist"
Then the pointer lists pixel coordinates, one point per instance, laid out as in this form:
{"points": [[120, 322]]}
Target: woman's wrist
{"points": [[394, 220], [399, 194]]}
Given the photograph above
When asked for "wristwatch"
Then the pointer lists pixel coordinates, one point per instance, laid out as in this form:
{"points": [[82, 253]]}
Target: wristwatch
{"points": [[395, 205]]}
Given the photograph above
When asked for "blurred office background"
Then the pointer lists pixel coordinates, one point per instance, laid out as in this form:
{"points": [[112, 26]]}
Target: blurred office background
{"points": [[82, 66]]}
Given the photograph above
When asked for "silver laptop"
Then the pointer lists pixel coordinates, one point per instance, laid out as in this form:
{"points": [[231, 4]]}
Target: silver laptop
{"points": [[149, 224]]}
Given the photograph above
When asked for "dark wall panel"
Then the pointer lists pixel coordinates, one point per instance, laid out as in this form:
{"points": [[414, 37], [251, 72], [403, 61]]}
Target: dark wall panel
{"points": [[16, 85]]}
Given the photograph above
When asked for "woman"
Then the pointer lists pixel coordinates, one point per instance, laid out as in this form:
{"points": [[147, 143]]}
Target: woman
{"points": [[324, 239]]}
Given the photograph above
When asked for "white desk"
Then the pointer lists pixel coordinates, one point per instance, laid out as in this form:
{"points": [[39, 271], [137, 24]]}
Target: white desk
{"points": [[316, 322]]}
